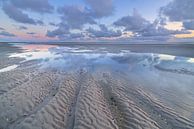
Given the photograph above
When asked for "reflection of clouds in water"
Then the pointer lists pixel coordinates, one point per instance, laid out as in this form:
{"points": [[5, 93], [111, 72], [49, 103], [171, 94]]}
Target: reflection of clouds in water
{"points": [[126, 51], [59, 57], [81, 60], [166, 57], [63, 57], [180, 65], [84, 49], [62, 49], [130, 58], [35, 55], [175, 58], [190, 60], [34, 47], [35, 52]]}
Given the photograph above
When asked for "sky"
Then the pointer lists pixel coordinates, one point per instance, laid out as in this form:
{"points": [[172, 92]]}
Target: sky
{"points": [[97, 20]]}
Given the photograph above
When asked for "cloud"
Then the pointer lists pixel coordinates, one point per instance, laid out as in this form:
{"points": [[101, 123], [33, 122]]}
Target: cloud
{"points": [[179, 10], [63, 33], [75, 16], [103, 32], [62, 29], [22, 28], [31, 33], [71, 36], [189, 25], [76, 35], [52, 24], [7, 34], [39, 22], [142, 28], [40, 6], [153, 29], [132, 23], [100, 8], [2, 28], [17, 15], [15, 10]]}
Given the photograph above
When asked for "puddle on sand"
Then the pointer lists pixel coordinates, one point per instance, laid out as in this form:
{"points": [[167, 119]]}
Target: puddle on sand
{"points": [[81, 56], [34, 55], [62, 57]]}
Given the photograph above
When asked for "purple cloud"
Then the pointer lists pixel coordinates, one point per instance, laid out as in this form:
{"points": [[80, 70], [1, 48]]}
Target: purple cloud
{"points": [[103, 32], [40, 6], [7, 34]]}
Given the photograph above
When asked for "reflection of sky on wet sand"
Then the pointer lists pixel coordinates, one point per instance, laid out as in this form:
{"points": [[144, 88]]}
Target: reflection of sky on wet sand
{"points": [[35, 52], [166, 57], [79, 56], [191, 60], [34, 55], [32, 47]]}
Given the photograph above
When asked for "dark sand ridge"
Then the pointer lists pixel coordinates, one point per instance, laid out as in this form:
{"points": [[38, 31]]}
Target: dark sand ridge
{"points": [[138, 106], [99, 98]]}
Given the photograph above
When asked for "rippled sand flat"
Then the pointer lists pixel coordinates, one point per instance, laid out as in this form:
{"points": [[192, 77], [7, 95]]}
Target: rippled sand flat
{"points": [[81, 87]]}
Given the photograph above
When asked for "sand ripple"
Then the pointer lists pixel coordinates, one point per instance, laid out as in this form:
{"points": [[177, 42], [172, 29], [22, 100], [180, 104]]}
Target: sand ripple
{"points": [[92, 111], [19, 101], [83, 100]]}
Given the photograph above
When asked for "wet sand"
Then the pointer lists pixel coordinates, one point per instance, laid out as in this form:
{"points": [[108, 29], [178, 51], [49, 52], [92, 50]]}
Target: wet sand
{"points": [[86, 87]]}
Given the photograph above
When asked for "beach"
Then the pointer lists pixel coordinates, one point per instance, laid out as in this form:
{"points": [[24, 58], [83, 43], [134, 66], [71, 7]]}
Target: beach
{"points": [[96, 86]]}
